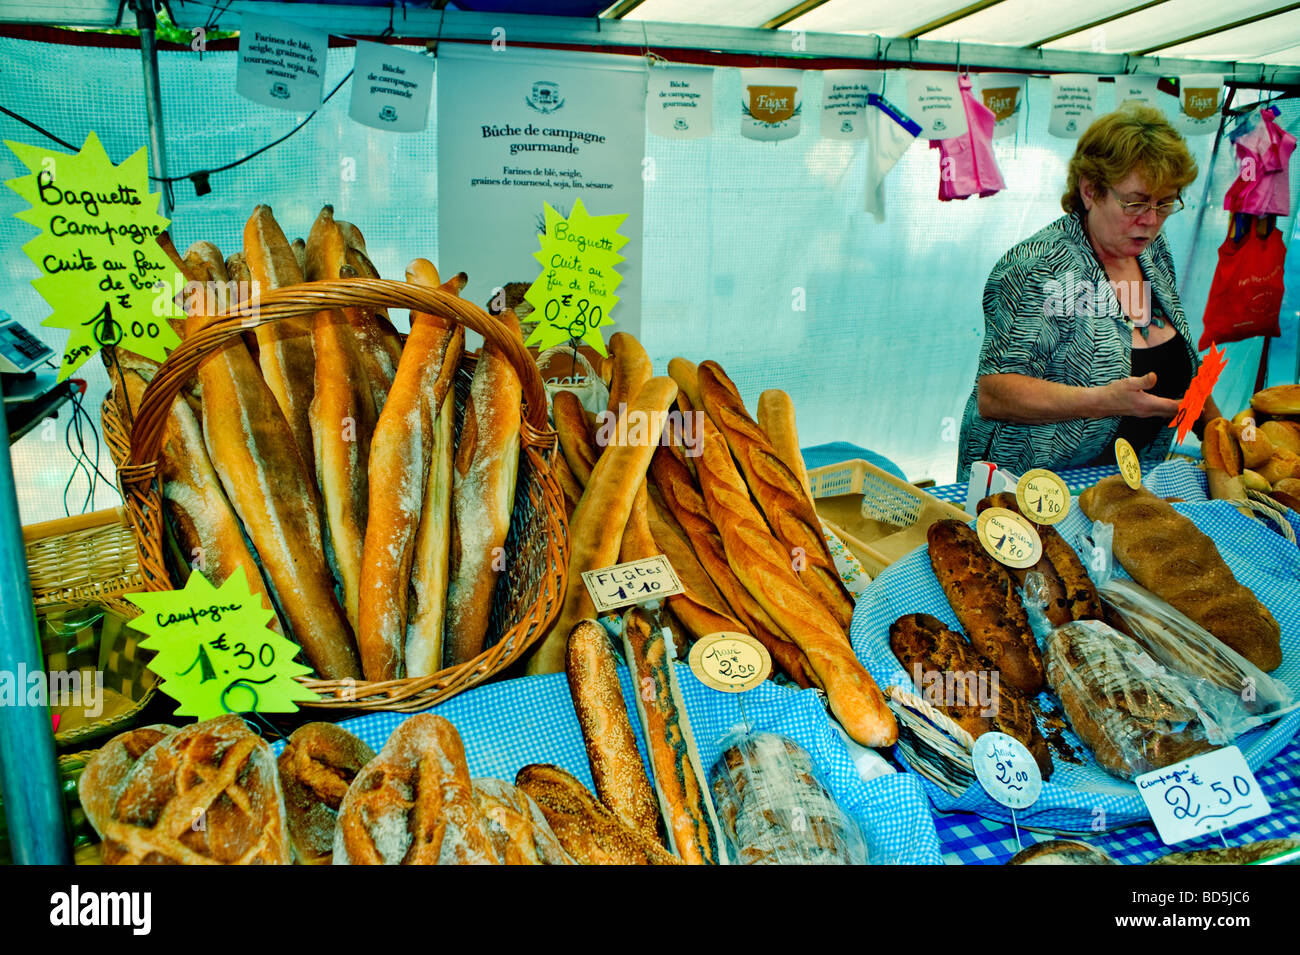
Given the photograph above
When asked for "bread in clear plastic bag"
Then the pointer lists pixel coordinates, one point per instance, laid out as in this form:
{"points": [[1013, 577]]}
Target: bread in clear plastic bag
{"points": [[1237, 695], [773, 808], [1134, 714]]}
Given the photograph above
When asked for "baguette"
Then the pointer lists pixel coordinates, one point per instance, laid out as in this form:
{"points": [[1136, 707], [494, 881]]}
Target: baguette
{"points": [[342, 415], [588, 831], [687, 376], [685, 505], [482, 497], [380, 343], [687, 809], [776, 418], [577, 442], [631, 371], [254, 453], [284, 347], [616, 768], [787, 507], [568, 484], [401, 460], [597, 527], [1168, 555], [983, 596], [761, 564]]}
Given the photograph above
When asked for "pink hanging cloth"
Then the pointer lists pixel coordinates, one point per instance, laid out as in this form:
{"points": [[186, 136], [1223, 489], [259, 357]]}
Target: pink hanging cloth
{"points": [[966, 163], [1263, 187]]}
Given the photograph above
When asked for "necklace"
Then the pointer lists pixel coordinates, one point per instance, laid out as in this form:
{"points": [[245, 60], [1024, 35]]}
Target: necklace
{"points": [[1153, 317]]}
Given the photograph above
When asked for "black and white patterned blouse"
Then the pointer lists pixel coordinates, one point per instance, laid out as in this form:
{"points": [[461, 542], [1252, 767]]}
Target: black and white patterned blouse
{"points": [[1050, 312]]}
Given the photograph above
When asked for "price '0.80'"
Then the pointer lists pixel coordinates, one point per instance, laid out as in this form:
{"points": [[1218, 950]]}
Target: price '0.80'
{"points": [[579, 324]]}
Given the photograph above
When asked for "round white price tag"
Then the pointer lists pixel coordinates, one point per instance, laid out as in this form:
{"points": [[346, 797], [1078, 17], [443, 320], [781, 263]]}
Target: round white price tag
{"points": [[1043, 496], [1010, 538], [731, 662], [1006, 770], [1129, 466]]}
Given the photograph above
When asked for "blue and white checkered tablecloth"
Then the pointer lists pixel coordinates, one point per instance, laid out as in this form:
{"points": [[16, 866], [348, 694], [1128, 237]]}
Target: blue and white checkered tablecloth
{"points": [[968, 839], [1260, 558], [1076, 479], [506, 726]]}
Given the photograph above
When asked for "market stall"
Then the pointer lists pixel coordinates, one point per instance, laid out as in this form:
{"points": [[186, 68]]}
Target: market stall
{"points": [[463, 381]]}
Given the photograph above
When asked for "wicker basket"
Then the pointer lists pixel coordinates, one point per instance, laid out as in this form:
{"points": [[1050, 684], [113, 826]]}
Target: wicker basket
{"points": [[528, 595], [880, 518], [90, 558]]}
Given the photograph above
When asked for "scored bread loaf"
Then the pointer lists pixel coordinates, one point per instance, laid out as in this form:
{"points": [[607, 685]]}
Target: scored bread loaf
{"points": [[983, 596], [763, 566], [589, 832], [413, 804], [929, 651], [254, 453], [776, 418], [781, 497], [284, 347], [208, 794], [684, 503], [1169, 555], [596, 531], [105, 773], [515, 826], [316, 767], [342, 416], [485, 470], [616, 769]]}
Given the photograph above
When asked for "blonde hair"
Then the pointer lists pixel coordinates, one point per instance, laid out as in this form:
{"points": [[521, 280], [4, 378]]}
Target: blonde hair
{"points": [[1133, 137]]}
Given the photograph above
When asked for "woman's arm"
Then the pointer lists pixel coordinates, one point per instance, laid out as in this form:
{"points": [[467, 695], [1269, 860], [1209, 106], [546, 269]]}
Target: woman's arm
{"points": [[1024, 400]]}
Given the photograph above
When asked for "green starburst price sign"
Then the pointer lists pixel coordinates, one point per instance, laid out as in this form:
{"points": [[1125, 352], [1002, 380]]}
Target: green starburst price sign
{"points": [[574, 295], [102, 270], [216, 653]]}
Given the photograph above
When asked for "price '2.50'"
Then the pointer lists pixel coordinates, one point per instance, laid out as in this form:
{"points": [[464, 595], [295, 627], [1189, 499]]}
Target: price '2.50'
{"points": [[1184, 807]]}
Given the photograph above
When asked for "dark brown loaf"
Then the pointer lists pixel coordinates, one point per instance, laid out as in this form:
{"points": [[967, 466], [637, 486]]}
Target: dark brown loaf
{"points": [[786, 505], [208, 794], [1070, 591], [922, 643], [316, 768], [1167, 554], [983, 596], [616, 768], [413, 804], [588, 830]]}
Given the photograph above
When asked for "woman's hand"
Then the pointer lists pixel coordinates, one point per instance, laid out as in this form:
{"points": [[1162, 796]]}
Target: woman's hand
{"points": [[1130, 396]]}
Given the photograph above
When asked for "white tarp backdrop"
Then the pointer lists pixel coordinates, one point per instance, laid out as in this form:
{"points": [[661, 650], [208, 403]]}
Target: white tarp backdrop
{"points": [[758, 255]]}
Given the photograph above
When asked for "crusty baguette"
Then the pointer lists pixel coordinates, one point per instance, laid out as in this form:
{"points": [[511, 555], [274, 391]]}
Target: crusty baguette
{"points": [[254, 453], [684, 503], [616, 768], [380, 343], [284, 347], [776, 418], [342, 416], [983, 596], [482, 499], [568, 483], [686, 374], [1170, 556], [763, 566], [631, 370], [684, 801], [588, 831], [401, 457], [784, 502], [597, 528], [577, 442]]}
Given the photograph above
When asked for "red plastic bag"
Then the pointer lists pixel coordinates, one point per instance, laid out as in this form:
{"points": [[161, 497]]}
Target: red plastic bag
{"points": [[1246, 295]]}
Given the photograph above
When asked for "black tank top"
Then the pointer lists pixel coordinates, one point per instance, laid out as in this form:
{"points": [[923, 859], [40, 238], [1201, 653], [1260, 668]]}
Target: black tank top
{"points": [[1173, 377]]}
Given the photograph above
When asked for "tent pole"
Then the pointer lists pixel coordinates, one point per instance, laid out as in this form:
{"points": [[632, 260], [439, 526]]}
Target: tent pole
{"points": [[29, 777], [147, 21]]}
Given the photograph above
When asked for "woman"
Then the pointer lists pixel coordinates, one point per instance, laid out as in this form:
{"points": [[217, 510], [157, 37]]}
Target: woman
{"points": [[1085, 339]]}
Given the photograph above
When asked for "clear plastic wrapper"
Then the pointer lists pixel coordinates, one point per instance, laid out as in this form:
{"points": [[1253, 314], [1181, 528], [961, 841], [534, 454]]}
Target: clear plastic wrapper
{"points": [[1034, 597], [1235, 693], [775, 811], [1134, 714]]}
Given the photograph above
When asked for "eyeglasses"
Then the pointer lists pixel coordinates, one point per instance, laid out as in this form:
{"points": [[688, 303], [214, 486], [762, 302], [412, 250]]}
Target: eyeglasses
{"points": [[1163, 209]]}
